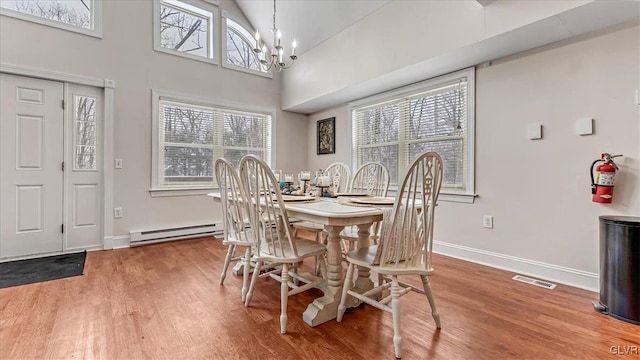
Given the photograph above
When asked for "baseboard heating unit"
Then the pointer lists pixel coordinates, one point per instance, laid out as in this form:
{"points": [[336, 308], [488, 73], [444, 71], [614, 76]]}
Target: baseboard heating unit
{"points": [[177, 233]]}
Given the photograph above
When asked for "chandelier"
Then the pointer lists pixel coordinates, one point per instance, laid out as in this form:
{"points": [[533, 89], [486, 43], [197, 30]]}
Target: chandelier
{"points": [[276, 60]]}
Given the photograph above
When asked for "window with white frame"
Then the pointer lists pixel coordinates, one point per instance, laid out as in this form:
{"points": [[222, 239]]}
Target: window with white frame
{"points": [[186, 28], [238, 48], [192, 134], [434, 115], [82, 16], [85, 136]]}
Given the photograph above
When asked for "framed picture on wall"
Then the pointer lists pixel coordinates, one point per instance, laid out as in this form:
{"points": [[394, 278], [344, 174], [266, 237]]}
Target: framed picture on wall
{"points": [[326, 130]]}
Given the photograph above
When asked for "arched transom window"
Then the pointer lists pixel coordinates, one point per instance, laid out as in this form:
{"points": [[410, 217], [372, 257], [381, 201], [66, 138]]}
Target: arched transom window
{"points": [[240, 44]]}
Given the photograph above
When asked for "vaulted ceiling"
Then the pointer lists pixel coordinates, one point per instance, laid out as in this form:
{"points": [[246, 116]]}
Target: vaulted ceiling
{"points": [[498, 28], [310, 22]]}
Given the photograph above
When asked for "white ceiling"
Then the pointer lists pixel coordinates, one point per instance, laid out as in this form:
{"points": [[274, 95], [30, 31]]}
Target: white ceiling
{"points": [[310, 22]]}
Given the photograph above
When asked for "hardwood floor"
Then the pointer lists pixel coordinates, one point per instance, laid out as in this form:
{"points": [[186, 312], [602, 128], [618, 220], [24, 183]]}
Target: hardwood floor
{"points": [[163, 301]]}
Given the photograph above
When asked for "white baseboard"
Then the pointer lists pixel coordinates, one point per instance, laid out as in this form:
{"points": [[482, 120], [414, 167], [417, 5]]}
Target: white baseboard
{"points": [[117, 242], [564, 275]]}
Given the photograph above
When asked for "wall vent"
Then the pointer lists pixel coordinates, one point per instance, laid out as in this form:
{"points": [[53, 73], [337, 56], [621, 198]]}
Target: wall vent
{"points": [[536, 282], [177, 233]]}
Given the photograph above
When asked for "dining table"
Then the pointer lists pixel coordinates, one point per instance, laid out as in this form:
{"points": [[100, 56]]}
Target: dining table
{"points": [[334, 215]]}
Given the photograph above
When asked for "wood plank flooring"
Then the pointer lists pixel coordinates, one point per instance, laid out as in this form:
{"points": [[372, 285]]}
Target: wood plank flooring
{"points": [[163, 301]]}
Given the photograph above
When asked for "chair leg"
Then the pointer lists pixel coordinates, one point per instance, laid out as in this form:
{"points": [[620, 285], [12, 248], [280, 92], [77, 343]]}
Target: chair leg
{"points": [[245, 275], [284, 295], [227, 260], [345, 289], [395, 311], [254, 279], [432, 301]]}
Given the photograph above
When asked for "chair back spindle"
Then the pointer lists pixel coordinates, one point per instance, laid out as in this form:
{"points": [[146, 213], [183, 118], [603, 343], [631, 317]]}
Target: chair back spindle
{"points": [[235, 215], [341, 175], [268, 221], [408, 241], [371, 178]]}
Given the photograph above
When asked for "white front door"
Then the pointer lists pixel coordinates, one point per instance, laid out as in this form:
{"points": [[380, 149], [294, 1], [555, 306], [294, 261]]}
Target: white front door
{"points": [[31, 173]]}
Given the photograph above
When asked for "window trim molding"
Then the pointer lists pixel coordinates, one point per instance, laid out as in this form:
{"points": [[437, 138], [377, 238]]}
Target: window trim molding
{"points": [[206, 5], [469, 195], [96, 31], [223, 43], [156, 95]]}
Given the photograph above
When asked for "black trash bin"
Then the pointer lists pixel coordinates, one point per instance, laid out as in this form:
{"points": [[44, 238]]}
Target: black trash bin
{"points": [[620, 267]]}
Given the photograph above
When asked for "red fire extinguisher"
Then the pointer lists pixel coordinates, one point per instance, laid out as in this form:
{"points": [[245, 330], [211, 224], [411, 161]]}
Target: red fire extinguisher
{"points": [[602, 186]]}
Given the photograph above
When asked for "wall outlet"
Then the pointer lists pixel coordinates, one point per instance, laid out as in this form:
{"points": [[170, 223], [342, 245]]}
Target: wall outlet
{"points": [[117, 213], [487, 222]]}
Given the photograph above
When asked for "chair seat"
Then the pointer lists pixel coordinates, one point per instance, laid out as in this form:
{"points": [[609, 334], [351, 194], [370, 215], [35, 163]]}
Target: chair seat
{"points": [[305, 248], [247, 240], [364, 257]]}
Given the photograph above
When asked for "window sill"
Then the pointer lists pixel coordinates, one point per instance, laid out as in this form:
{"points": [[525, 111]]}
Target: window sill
{"points": [[209, 60], [95, 32], [267, 74], [180, 192], [460, 198]]}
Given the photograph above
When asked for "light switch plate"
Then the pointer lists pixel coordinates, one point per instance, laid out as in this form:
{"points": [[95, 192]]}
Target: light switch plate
{"points": [[534, 131], [584, 126]]}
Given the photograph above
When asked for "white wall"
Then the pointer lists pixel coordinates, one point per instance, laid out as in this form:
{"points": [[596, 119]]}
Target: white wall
{"points": [[406, 41], [125, 54], [343, 139], [539, 191]]}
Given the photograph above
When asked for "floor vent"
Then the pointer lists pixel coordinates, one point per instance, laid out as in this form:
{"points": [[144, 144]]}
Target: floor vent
{"points": [[158, 235], [536, 282]]}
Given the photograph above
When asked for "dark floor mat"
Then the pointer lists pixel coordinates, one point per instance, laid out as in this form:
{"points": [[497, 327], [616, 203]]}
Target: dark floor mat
{"points": [[20, 272]]}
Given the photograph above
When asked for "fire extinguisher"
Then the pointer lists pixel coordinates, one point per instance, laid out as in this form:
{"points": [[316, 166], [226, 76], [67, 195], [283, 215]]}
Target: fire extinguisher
{"points": [[602, 186]]}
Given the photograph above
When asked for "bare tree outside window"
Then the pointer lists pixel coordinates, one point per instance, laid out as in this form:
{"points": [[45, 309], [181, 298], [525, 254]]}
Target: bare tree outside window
{"points": [[240, 46], [438, 119], [394, 132], [188, 137], [71, 12], [240, 53], [184, 31], [243, 135], [378, 137], [85, 133], [193, 136]]}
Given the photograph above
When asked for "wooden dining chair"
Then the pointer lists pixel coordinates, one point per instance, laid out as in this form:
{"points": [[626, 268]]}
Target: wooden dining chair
{"points": [[274, 241], [371, 178], [405, 245], [235, 218]]}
